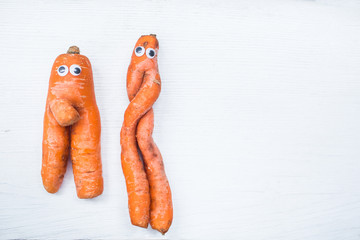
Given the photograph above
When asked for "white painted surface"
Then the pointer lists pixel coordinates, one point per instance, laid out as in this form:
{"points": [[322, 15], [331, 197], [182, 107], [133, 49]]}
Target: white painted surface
{"points": [[258, 119]]}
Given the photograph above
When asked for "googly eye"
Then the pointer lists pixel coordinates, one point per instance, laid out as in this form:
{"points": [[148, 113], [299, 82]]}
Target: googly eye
{"points": [[75, 70], [150, 53], [139, 51], [62, 70]]}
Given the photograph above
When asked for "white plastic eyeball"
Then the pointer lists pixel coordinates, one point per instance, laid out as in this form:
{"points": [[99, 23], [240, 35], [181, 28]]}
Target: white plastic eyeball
{"points": [[139, 51], [62, 70], [75, 69], [150, 53]]}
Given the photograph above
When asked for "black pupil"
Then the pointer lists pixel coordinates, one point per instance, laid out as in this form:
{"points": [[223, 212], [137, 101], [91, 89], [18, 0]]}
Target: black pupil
{"points": [[61, 69], [152, 53], [138, 50], [77, 70]]}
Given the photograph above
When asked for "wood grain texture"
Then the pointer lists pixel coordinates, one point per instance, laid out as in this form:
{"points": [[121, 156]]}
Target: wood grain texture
{"points": [[257, 121]]}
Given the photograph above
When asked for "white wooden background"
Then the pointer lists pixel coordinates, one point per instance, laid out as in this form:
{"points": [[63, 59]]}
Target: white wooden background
{"points": [[258, 119]]}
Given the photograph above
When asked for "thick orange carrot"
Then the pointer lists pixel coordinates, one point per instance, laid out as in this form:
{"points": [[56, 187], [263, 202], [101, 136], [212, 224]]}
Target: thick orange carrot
{"points": [[143, 87], [71, 115]]}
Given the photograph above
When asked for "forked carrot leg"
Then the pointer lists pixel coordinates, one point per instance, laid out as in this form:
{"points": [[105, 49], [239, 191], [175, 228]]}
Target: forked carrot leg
{"points": [[161, 211], [136, 181], [85, 154], [55, 153]]}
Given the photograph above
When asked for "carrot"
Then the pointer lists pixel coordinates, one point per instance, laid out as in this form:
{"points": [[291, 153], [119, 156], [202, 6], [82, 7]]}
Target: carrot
{"points": [[72, 121], [147, 185]]}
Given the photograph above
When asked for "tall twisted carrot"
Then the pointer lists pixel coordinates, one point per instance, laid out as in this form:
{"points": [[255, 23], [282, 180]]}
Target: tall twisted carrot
{"points": [[147, 186], [71, 115]]}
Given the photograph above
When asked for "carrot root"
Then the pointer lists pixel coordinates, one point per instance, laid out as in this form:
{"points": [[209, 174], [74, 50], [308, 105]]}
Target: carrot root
{"points": [[147, 179], [72, 118]]}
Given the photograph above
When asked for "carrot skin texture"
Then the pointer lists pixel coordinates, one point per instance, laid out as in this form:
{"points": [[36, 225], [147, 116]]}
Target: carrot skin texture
{"points": [[142, 73], [161, 211], [72, 116], [85, 154], [135, 176], [136, 182], [55, 153], [64, 113]]}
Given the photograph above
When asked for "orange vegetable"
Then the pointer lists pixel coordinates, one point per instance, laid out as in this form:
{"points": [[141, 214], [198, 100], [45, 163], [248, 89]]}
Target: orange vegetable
{"points": [[72, 118], [147, 185]]}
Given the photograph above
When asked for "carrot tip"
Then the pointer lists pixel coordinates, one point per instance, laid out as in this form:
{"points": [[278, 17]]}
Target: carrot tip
{"points": [[140, 224], [73, 50]]}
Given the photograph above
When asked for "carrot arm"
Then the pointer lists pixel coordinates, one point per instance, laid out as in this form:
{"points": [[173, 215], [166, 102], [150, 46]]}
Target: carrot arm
{"points": [[64, 113], [134, 80], [142, 102]]}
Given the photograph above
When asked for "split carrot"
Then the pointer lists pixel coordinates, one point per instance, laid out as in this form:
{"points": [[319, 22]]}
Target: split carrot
{"points": [[72, 125], [147, 185]]}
